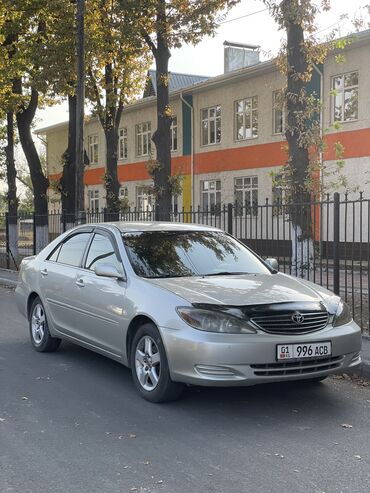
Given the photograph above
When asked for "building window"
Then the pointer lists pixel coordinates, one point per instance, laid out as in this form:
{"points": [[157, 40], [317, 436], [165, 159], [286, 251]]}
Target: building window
{"points": [[211, 125], [345, 97], [143, 138], [144, 199], [93, 149], [174, 134], [246, 118], [278, 113], [246, 196], [94, 200], [210, 196], [122, 144], [123, 193]]}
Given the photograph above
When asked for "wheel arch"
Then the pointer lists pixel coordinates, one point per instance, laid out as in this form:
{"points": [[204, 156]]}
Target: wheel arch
{"points": [[31, 298], [135, 324]]}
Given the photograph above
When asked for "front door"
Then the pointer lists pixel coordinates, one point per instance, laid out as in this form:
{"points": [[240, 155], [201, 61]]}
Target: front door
{"points": [[101, 299]]}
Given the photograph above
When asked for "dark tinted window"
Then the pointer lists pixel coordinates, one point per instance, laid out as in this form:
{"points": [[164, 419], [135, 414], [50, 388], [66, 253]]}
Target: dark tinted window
{"points": [[189, 253], [71, 250], [102, 252]]}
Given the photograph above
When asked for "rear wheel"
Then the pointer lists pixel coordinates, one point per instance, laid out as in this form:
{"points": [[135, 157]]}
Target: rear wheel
{"points": [[149, 366], [41, 339]]}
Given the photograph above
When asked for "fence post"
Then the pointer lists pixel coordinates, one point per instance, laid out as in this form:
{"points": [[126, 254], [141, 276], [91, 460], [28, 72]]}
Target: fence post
{"points": [[7, 245], [336, 225], [230, 218]]}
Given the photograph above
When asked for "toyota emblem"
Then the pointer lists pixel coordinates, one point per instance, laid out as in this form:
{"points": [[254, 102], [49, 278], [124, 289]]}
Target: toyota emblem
{"points": [[298, 318]]}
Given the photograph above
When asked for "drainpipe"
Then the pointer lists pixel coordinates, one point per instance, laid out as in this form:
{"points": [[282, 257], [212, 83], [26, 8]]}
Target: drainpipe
{"points": [[192, 149], [321, 153], [321, 118]]}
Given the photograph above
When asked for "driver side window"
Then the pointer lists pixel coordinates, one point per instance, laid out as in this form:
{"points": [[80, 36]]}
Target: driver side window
{"points": [[101, 251]]}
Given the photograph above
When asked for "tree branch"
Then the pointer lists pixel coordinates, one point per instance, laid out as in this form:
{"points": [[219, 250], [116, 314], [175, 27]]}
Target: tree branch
{"points": [[149, 42]]}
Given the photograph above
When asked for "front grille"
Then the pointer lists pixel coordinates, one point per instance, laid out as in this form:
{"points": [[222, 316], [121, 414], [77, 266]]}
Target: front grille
{"points": [[297, 367], [285, 325]]}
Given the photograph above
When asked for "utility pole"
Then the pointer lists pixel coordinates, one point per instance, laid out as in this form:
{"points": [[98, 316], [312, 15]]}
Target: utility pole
{"points": [[80, 101]]}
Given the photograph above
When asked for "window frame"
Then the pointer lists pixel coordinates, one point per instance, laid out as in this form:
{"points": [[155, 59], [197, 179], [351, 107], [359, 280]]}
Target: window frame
{"points": [[124, 140], [91, 144], [342, 92], [283, 114], [112, 239], [93, 209], [210, 119], [67, 238], [217, 207], [140, 195], [139, 136], [174, 130], [253, 208], [243, 113]]}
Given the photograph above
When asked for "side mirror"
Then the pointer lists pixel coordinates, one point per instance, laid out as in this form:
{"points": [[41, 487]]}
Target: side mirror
{"points": [[273, 263], [108, 270]]}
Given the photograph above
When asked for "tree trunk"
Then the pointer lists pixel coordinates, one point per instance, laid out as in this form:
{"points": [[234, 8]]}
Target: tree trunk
{"points": [[40, 183], [112, 184], [299, 161], [68, 179], [162, 135], [12, 190]]}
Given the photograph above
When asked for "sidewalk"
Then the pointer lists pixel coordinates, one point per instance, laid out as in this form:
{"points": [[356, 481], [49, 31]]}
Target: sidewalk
{"points": [[9, 278]]}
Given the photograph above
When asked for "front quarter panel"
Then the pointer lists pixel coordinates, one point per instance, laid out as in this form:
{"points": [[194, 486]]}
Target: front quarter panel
{"points": [[157, 304]]}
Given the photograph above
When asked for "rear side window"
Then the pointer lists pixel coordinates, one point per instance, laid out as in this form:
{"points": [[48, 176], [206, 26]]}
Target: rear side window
{"points": [[71, 251]]}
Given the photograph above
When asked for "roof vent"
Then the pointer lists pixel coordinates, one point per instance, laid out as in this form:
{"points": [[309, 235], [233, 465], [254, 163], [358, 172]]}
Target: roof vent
{"points": [[239, 55]]}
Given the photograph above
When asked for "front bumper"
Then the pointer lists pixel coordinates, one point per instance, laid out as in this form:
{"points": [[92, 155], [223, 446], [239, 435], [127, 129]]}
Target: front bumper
{"points": [[209, 359]]}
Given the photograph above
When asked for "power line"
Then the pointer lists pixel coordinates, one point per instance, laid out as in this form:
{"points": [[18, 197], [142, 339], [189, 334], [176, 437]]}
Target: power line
{"points": [[243, 16]]}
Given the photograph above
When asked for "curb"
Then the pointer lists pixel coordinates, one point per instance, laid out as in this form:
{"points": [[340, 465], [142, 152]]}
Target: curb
{"points": [[8, 283]]}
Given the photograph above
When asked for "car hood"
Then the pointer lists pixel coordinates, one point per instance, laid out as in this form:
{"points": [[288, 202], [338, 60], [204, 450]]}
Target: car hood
{"points": [[239, 290]]}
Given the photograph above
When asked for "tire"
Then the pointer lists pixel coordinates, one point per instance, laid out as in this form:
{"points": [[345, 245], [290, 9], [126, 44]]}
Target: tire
{"points": [[149, 366], [41, 339]]}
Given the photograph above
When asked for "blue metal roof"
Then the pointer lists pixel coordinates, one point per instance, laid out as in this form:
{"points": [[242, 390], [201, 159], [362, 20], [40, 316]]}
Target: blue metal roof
{"points": [[177, 81]]}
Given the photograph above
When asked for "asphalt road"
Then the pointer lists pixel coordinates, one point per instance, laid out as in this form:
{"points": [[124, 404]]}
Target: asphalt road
{"points": [[71, 422]]}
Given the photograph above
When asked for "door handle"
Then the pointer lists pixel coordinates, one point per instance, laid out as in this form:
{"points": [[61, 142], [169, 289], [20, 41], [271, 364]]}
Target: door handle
{"points": [[80, 283], [44, 272]]}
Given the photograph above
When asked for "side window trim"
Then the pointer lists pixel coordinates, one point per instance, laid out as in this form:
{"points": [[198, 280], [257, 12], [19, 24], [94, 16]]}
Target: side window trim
{"points": [[67, 238], [111, 238]]}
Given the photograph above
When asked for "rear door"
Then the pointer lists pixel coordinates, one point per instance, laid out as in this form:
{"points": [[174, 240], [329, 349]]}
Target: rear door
{"points": [[101, 300], [58, 276]]}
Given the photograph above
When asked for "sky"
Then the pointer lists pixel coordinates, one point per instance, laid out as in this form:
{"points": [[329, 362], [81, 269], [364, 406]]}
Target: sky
{"points": [[249, 22]]}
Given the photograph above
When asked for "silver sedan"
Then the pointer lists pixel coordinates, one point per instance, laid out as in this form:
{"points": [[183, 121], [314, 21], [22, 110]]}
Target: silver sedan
{"points": [[183, 304]]}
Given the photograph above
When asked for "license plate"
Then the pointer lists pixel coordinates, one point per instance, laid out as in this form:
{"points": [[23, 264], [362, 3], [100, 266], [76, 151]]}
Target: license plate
{"points": [[303, 351]]}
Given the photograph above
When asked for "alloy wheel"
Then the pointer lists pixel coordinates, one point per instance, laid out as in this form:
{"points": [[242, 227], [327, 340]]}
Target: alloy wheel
{"points": [[38, 323], [147, 363]]}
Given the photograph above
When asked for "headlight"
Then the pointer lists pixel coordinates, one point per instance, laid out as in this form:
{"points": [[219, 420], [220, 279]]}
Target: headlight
{"points": [[212, 321], [343, 314]]}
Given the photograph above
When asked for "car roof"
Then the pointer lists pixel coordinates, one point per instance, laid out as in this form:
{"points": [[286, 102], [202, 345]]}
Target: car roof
{"points": [[126, 227]]}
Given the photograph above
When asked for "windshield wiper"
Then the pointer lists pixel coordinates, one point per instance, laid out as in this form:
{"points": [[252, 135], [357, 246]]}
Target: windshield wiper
{"points": [[225, 273], [168, 276]]}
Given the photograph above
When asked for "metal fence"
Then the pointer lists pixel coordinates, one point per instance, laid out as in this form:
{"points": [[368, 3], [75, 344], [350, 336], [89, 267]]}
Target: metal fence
{"points": [[337, 257]]}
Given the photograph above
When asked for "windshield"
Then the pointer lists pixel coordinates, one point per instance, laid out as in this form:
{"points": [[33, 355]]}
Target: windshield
{"points": [[156, 254]]}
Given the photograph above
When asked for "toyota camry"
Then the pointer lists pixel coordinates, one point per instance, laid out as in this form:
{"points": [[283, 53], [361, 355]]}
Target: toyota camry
{"points": [[183, 304]]}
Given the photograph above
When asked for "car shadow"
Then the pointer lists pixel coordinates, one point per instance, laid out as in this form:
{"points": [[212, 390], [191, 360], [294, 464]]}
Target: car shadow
{"points": [[268, 402]]}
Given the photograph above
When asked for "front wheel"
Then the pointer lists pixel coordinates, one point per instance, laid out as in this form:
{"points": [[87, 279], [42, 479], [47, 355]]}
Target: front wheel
{"points": [[41, 339], [149, 366]]}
